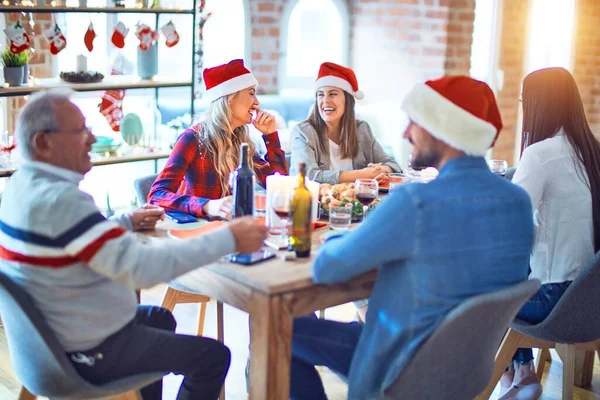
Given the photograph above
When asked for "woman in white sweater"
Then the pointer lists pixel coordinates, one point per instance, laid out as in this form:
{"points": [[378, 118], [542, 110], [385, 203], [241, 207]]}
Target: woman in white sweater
{"points": [[560, 169]]}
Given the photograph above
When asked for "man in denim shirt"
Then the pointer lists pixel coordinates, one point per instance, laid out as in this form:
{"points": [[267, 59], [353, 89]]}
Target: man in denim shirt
{"points": [[466, 233]]}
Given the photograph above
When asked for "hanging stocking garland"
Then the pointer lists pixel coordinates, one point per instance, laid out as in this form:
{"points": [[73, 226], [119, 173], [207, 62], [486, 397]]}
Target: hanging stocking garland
{"points": [[119, 35], [19, 41], [146, 36], [170, 34], [89, 37], [56, 38]]}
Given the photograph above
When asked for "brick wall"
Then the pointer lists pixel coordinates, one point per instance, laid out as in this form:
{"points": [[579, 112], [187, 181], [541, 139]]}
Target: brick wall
{"points": [[512, 52], [587, 59]]}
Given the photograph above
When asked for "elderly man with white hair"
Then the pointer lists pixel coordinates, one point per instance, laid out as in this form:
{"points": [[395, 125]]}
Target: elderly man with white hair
{"points": [[81, 269]]}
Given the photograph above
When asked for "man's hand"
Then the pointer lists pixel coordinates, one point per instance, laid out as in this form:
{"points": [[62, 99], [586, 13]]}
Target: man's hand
{"points": [[146, 217], [220, 208], [249, 234]]}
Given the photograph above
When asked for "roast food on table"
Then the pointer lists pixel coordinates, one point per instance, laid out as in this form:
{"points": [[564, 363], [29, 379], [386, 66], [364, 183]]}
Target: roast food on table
{"points": [[340, 194]]}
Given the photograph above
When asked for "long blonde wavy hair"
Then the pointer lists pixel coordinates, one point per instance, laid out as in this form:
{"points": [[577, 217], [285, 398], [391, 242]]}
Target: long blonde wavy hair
{"points": [[223, 142]]}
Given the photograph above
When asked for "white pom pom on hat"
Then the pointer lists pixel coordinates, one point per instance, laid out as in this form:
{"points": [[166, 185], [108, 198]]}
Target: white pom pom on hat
{"points": [[331, 74]]}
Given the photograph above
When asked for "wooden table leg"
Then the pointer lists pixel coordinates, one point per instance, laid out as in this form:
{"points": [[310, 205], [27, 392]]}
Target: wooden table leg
{"points": [[270, 348], [584, 367]]}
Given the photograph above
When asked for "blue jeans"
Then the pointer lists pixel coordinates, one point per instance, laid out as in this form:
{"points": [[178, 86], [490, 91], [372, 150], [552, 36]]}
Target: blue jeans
{"points": [[537, 308], [149, 344], [320, 342]]}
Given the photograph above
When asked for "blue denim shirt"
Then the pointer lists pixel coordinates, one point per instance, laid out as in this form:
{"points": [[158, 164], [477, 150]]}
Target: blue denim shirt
{"points": [[465, 233]]}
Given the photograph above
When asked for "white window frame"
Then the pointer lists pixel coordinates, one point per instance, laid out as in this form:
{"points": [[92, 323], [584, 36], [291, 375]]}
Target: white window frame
{"points": [[287, 84]]}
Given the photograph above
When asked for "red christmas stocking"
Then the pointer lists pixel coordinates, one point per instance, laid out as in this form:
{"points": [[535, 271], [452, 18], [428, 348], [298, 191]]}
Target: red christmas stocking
{"points": [[111, 107], [56, 38], [19, 41], [146, 36], [171, 34], [119, 34], [89, 37]]}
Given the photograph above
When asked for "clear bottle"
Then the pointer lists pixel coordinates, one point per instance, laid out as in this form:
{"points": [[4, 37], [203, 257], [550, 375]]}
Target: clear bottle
{"points": [[243, 185], [301, 212]]}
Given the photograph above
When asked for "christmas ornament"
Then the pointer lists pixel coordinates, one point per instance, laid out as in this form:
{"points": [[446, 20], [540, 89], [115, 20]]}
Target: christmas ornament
{"points": [[119, 34], [19, 41], [170, 34], [146, 36], [111, 107], [89, 37], [56, 38]]}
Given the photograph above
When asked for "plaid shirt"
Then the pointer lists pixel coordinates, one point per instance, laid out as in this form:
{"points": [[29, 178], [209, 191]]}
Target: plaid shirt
{"points": [[189, 178]]}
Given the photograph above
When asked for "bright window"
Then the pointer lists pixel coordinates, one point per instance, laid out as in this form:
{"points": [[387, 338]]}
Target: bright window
{"points": [[315, 31], [551, 34], [483, 50], [224, 32]]}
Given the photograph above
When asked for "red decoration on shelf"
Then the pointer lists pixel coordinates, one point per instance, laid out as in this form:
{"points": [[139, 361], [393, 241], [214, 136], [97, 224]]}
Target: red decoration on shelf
{"points": [[56, 38], [19, 41], [146, 36], [170, 34], [89, 37], [119, 34]]}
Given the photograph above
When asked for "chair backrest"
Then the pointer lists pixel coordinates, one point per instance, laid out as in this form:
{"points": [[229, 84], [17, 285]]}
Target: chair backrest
{"points": [[37, 357], [575, 317], [142, 187], [457, 360], [510, 172]]}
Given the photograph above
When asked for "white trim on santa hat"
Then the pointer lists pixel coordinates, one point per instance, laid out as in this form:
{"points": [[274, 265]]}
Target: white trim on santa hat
{"points": [[338, 82], [447, 121], [230, 86]]}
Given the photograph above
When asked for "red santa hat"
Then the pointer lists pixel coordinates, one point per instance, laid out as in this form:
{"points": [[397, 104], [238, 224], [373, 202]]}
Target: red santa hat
{"points": [[227, 79], [331, 74], [458, 110]]}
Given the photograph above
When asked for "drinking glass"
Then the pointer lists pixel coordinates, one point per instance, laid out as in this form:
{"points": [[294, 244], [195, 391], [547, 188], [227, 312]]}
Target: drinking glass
{"points": [[340, 217], [366, 192], [281, 200], [498, 167], [260, 202]]}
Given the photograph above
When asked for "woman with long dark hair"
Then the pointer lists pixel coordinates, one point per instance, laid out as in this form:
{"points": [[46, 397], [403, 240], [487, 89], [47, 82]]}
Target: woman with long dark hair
{"points": [[335, 146], [560, 169]]}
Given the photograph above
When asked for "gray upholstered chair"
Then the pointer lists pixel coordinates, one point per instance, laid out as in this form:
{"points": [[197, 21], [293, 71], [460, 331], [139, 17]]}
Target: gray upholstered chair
{"points": [[510, 172], [40, 362], [142, 187], [456, 362], [572, 325]]}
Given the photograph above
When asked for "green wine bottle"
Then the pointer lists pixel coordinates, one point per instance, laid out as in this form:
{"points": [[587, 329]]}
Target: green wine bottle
{"points": [[301, 211]]}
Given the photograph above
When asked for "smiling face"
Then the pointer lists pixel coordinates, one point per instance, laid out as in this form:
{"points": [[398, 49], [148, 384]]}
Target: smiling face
{"points": [[331, 104], [243, 104], [426, 151], [69, 146]]}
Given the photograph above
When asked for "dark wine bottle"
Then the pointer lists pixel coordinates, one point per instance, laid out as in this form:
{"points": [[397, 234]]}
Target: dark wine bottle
{"points": [[301, 212], [243, 186]]}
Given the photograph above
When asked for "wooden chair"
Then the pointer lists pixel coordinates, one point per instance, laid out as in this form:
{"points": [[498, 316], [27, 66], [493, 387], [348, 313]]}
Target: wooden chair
{"points": [[39, 360], [174, 296], [572, 325], [456, 361]]}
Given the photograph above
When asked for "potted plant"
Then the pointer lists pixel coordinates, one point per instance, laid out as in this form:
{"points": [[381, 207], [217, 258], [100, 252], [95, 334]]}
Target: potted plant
{"points": [[13, 66]]}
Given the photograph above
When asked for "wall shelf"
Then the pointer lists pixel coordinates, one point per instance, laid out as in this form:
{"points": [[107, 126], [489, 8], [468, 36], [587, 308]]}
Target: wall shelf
{"points": [[110, 82], [107, 10]]}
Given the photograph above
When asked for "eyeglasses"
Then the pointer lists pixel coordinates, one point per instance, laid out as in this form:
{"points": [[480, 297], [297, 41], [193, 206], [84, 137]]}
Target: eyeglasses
{"points": [[86, 129]]}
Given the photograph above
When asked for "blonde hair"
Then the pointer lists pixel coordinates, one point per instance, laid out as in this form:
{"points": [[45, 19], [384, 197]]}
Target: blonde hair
{"points": [[223, 142]]}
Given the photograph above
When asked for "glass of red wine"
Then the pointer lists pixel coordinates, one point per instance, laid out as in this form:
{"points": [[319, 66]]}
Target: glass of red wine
{"points": [[366, 191], [281, 200]]}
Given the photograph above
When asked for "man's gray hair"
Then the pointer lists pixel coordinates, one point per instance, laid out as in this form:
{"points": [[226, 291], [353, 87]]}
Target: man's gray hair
{"points": [[38, 115]]}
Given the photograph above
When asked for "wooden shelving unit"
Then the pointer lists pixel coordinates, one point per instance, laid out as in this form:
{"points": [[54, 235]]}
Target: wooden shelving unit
{"points": [[110, 82], [106, 10]]}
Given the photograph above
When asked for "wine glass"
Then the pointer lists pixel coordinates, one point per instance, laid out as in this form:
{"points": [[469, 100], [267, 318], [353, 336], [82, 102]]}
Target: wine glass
{"points": [[498, 167], [281, 200], [366, 191]]}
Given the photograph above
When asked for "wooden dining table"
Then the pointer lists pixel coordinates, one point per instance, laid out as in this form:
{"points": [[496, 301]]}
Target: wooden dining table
{"points": [[273, 293]]}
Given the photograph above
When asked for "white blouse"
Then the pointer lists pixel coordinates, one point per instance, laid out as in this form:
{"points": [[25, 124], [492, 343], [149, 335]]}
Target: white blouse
{"points": [[562, 202], [335, 156]]}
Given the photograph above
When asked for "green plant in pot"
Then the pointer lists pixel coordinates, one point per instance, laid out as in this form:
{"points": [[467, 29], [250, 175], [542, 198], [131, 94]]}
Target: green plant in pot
{"points": [[13, 66]]}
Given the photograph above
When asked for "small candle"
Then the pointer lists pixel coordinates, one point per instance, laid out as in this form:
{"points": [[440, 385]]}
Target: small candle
{"points": [[81, 63]]}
